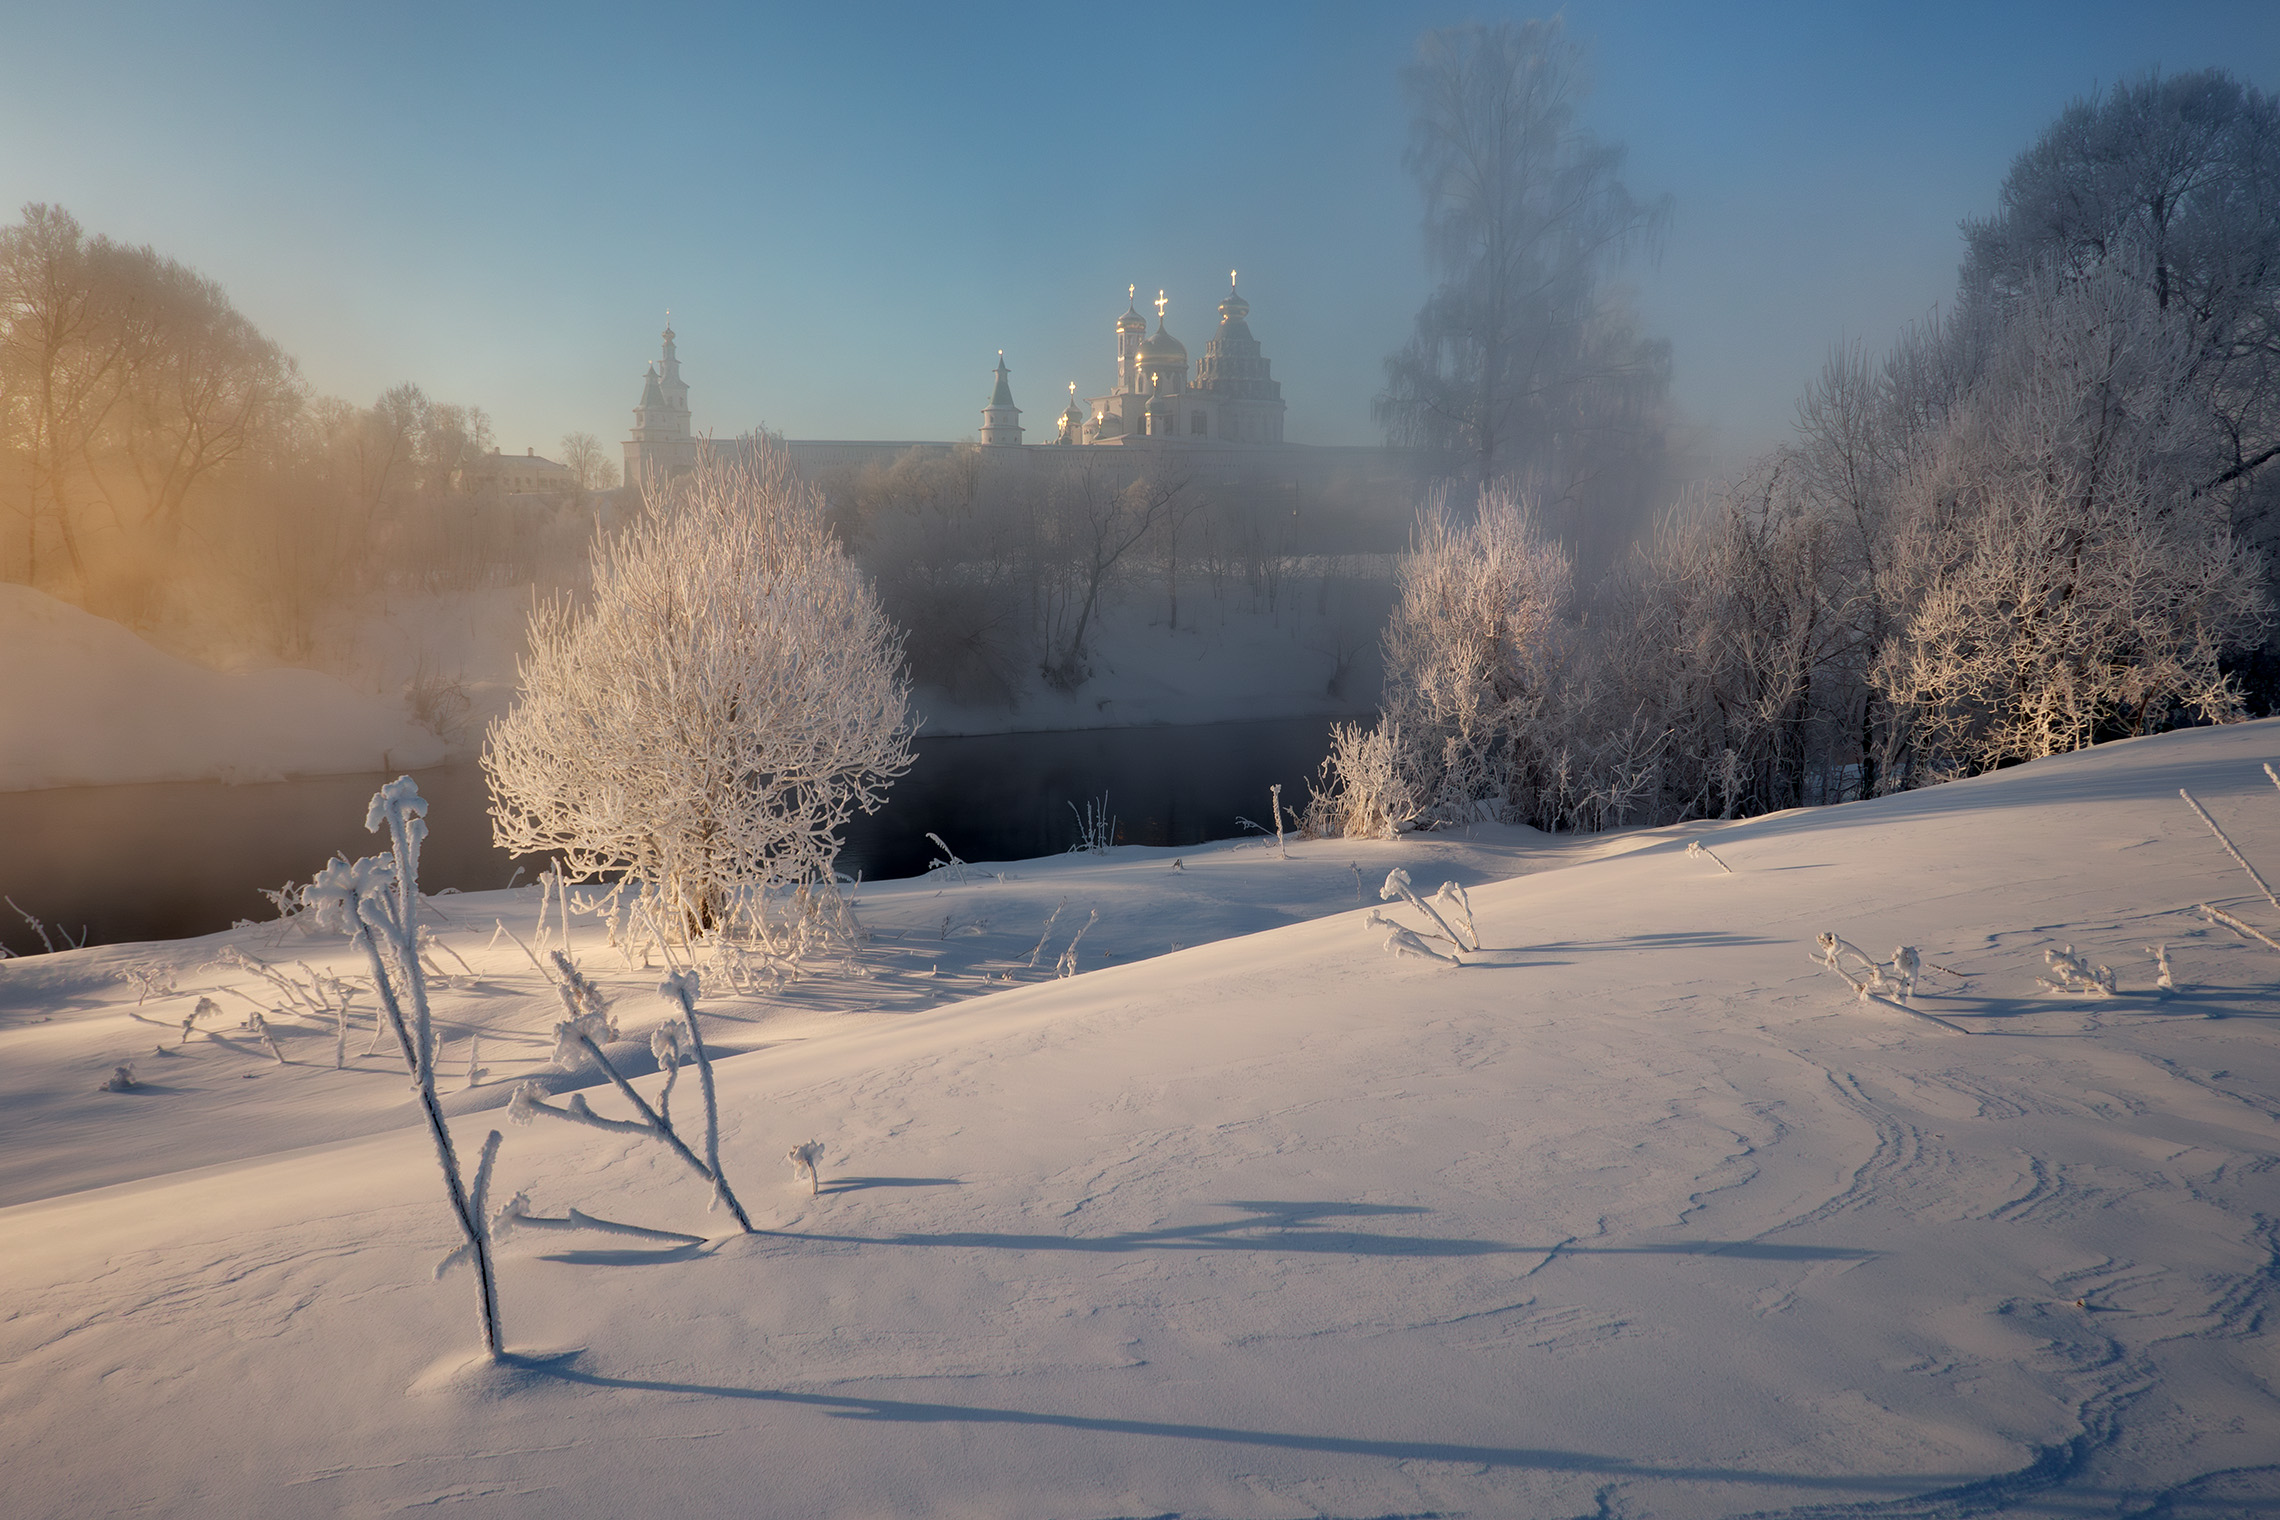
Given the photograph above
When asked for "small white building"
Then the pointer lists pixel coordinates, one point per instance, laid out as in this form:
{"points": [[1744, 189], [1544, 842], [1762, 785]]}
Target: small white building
{"points": [[524, 474]]}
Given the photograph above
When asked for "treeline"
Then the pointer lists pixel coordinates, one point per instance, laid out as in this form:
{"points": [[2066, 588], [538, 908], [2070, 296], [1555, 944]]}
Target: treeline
{"points": [[2042, 519], [161, 461], [1001, 571]]}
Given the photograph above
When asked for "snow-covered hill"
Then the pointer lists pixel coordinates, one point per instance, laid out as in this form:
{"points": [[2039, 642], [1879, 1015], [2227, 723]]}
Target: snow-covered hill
{"points": [[1640, 1212], [90, 704]]}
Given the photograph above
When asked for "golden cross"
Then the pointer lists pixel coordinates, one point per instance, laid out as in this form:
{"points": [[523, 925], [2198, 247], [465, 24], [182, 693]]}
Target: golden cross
{"points": [[1161, 303], [1131, 294], [1230, 279]]}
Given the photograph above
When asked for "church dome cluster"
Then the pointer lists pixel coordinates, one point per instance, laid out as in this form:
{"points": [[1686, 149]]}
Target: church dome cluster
{"points": [[1232, 398]]}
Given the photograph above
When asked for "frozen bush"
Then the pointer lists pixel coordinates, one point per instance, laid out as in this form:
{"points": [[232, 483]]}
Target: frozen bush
{"points": [[707, 719], [2071, 973]]}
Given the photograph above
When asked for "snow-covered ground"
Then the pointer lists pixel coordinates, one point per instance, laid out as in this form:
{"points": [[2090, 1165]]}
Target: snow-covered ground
{"points": [[90, 704], [1640, 1212]]}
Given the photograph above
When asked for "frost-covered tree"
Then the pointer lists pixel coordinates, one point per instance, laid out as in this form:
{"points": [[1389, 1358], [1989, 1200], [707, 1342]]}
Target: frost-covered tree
{"points": [[727, 696], [1524, 358], [2075, 579]]}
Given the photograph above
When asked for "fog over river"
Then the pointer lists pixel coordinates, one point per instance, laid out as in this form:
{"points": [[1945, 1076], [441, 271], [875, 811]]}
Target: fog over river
{"points": [[178, 858]]}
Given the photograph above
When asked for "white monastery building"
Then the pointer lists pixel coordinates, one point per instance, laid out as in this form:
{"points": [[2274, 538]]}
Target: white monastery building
{"points": [[1230, 408]]}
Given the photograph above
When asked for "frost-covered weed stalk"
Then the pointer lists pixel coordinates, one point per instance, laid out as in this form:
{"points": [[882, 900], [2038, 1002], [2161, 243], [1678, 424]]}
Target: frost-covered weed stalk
{"points": [[2218, 915], [1454, 930], [728, 695], [2071, 973], [376, 903], [579, 1039], [807, 1161], [1895, 978], [1096, 827]]}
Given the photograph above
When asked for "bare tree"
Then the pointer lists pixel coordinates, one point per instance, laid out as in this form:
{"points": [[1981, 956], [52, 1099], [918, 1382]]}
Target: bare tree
{"points": [[63, 338], [1094, 523], [1523, 357], [588, 462]]}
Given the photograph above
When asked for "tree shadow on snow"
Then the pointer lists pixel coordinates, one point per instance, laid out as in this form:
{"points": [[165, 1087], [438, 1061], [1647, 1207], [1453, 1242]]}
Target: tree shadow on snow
{"points": [[1547, 1459]]}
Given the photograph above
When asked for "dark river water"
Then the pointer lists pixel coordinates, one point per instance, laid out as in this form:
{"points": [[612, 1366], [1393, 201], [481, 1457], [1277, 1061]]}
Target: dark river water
{"points": [[168, 859]]}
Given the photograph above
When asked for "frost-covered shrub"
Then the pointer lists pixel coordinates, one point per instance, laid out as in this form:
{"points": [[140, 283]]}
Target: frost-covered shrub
{"points": [[727, 696], [1362, 792], [2071, 973]]}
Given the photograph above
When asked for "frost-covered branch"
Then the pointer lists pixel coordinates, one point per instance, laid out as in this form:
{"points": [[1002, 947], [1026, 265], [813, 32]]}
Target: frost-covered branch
{"points": [[515, 1214], [2071, 973], [1403, 940], [1067, 965], [1047, 933], [1696, 849], [577, 1032], [1397, 886], [2238, 858], [2239, 926]]}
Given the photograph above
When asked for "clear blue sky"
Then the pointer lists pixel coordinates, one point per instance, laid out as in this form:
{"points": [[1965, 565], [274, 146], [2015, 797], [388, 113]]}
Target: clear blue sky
{"points": [[850, 209]]}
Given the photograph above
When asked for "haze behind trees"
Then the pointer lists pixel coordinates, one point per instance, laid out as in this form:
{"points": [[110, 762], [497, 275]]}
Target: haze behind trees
{"points": [[163, 463], [1527, 360], [2024, 530]]}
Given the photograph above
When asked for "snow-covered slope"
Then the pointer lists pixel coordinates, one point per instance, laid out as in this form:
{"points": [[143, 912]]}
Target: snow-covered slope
{"points": [[90, 704], [1638, 1213]]}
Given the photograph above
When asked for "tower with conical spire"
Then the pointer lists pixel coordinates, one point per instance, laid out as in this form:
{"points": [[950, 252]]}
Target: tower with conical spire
{"points": [[1001, 419], [661, 444]]}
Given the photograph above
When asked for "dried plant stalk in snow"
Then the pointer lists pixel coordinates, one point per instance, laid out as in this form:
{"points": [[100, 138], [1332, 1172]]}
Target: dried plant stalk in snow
{"points": [[807, 1160], [376, 903], [582, 1000]]}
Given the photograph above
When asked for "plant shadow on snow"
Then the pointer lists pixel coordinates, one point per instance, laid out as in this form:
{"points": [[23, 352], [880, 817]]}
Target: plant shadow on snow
{"points": [[630, 1256], [857, 1184], [561, 1367], [1286, 1227], [2206, 1002]]}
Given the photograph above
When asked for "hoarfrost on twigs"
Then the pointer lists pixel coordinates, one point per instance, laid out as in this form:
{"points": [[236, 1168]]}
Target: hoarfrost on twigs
{"points": [[2071, 973]]}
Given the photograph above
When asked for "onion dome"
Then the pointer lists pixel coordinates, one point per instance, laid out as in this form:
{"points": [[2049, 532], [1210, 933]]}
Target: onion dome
{"points": [[1234, 308], [1163, 348], [1132, 321]]}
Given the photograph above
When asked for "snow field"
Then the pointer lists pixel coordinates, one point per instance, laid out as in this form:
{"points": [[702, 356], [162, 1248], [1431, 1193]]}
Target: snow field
{"points": [[1639, 1211]]}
